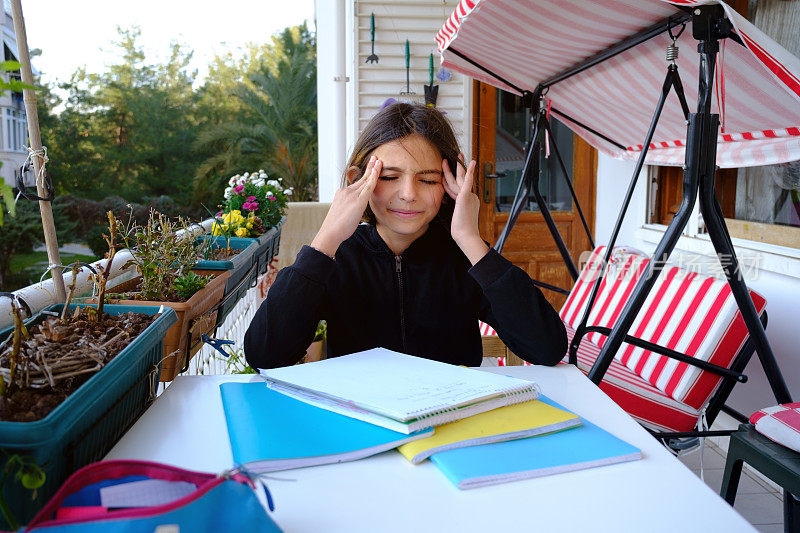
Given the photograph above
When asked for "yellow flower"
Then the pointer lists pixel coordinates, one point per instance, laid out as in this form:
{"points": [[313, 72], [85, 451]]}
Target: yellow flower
{"points": [[216, 230], [224, 227], [241, 232], [234, 217], [249, 225]]}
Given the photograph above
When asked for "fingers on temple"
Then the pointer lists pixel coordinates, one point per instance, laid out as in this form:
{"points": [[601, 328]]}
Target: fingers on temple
{"points": [[460, 168], [450, 183], [367, 172], [469, 178], [372, 178]]}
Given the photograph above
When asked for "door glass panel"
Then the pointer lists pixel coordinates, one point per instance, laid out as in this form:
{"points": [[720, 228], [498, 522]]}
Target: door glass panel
{"points": [[511, 136]]}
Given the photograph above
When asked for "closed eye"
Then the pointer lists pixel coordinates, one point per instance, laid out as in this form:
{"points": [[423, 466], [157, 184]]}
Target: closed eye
{"points": [[387, 178], [429, 181]]}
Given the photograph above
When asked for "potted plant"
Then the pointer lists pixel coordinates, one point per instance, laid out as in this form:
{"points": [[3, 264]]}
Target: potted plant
{"points": [[254, 207], [234, 254], [73, 378], [164, 259]]}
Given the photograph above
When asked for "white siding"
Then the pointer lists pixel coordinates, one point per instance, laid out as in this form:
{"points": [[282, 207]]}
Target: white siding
{"points": [[418, 21]]}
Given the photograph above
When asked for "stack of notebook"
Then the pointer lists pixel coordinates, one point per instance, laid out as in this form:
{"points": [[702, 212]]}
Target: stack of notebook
{"points": [[478, 428]]}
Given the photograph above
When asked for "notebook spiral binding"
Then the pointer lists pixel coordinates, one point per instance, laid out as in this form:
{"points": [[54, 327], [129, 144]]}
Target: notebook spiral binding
{"points": [[445, 415], [523, 393]]}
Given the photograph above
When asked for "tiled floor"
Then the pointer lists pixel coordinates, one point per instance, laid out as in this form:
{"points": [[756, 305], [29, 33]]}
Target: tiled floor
{"points": [[757, 501]]}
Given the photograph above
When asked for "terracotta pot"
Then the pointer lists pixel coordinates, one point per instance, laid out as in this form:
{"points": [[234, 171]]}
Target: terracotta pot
{"points": [[182, 340]]}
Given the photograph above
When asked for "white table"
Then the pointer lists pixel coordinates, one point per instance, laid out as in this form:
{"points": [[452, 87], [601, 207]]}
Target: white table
{"points": [[186, 427]]}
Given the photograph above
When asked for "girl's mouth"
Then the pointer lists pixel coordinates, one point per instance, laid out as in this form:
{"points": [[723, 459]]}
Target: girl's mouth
{"points": [[404, 213]]}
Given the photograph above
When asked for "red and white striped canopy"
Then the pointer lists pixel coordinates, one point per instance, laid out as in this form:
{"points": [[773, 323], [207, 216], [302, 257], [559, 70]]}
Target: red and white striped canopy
{"points": [[529, 41]]}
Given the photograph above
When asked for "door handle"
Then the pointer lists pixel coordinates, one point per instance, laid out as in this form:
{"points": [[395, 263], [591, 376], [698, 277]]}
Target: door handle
{"points": [[489, 175]]}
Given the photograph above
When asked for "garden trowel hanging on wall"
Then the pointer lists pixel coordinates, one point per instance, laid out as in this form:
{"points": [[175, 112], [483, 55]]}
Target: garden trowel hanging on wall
{"points": [[408, 66], [431, 91]]}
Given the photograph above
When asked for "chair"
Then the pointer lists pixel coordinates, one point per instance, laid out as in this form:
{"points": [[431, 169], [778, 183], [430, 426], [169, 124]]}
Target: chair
{"points": [[494, 348], [303, 220], [780, 464], [689, 319], [684, 352]]}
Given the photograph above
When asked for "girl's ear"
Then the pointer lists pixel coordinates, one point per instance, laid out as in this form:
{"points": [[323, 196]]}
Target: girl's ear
{"points": [[353, 174]]}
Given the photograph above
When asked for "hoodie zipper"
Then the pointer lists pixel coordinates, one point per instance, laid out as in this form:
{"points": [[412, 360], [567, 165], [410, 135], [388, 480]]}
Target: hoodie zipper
{"points": [[399, 270]]}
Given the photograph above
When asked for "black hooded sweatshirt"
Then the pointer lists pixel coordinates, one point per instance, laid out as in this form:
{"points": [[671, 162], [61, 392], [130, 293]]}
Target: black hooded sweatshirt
{"points": [[425, 302]]}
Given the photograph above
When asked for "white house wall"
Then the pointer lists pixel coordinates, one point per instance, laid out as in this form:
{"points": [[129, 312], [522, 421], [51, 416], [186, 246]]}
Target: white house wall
{"points": [[395, 22]]}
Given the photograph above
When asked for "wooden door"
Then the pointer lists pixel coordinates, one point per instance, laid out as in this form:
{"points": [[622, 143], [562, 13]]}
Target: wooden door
{"points": [[501, 126]]}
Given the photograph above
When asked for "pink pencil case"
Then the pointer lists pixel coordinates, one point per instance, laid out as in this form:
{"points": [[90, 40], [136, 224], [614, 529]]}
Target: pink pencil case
{"points": [[140, 496]]}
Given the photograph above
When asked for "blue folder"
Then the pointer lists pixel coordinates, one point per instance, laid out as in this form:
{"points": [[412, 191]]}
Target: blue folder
{"points": [[584, 446], [270, 431]]}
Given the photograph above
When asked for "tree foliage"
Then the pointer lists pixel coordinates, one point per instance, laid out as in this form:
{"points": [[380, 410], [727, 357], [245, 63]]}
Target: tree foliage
{"points": [[275, 127], [20, 234], [128, 130], [142, 131], [132, 130]]}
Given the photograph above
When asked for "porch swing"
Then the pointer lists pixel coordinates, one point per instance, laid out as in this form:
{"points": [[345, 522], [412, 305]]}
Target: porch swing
{"points": [[597, 61]]}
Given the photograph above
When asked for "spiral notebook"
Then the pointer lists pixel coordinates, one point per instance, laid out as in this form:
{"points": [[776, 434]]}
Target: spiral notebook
{"points": [[511, 422], [270, 431], [577, 448], [397, 391]]}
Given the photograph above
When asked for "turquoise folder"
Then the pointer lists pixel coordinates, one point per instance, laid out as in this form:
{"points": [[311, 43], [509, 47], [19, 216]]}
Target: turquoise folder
{"points": [[584, 446], [270, 431]]}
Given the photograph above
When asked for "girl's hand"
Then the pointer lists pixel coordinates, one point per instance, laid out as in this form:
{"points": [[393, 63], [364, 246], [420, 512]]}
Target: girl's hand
{"points": [[464, 227], [346, 210]]}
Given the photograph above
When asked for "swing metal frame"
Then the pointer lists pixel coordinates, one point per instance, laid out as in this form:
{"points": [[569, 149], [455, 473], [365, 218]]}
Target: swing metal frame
{"points": [[709, 25]]}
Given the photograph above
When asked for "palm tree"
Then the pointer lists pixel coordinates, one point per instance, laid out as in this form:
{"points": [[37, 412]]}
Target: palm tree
{"points": [[277, 130]]}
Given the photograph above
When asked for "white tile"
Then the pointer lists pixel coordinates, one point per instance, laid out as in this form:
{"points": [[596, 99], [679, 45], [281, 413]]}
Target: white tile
{"points": [[747, 485], [711, 459], [763, 508], [768, 484]]}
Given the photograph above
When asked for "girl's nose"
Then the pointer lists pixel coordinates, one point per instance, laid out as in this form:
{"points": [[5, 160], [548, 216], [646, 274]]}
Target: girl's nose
{"points": [[408, 189]]}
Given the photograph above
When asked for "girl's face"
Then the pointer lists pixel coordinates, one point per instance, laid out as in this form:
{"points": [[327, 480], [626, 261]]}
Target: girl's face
{"points": [[409, 190]]}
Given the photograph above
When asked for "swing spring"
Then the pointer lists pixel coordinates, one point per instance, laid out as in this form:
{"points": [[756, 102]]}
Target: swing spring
{"points": [[672, 52], [672, 49]]}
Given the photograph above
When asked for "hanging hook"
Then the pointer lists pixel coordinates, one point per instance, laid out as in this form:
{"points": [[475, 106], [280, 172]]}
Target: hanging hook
{"points": [[669, 30]]}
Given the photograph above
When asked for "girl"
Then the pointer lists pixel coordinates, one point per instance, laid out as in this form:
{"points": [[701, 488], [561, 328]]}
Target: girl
{"points": [[414, 276]]}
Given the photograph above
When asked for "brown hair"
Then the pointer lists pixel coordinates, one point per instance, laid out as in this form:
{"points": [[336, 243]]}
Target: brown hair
{"points": [[400, 120]]}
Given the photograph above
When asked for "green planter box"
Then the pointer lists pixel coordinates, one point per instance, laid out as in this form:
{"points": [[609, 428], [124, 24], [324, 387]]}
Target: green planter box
{"points": [[92, 419], [241, 265], [268, 245]]}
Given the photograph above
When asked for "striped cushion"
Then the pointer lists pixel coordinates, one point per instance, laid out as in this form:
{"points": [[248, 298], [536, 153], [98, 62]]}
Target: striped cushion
{"points": [[685, 311], [648, 405], [780, 423], [692, 314]]}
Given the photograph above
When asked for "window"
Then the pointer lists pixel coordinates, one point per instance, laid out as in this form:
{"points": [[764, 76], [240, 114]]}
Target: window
{"points": [[511, 137], [15, 144], [23, 131], [760, 204]]}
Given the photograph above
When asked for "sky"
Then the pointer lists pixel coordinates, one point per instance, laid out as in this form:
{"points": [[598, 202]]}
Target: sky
{"points": [[75, 34]]}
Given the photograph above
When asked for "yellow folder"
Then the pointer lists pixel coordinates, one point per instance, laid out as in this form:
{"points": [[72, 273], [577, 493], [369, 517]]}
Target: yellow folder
{"points": [[505, 423]]}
